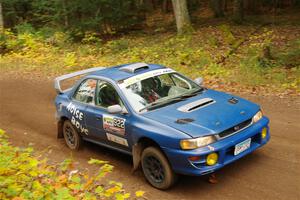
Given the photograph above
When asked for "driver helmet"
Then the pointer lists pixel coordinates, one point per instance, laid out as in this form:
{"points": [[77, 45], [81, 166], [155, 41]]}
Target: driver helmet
{"points": [[136, 87]]}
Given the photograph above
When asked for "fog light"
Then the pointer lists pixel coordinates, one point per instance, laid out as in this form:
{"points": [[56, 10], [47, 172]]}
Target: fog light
{"points": [[264, 133], [212, 159]]}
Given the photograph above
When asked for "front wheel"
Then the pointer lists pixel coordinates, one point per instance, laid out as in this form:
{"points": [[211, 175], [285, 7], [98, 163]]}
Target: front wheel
{"points": [[157, 169], [72, 138]]}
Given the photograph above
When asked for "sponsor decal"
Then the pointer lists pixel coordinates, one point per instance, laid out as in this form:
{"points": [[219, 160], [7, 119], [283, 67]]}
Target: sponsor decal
{"points": [[114, 124], [116, 139], [144, 76], [77, 118]]}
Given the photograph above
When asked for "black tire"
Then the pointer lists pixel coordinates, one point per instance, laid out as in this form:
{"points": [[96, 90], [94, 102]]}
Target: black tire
{"points": [[157, 169], [72, 137]]}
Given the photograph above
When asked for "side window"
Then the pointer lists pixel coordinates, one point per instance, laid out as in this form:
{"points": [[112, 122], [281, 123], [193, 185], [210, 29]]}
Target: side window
{"points": [[86, 91], [106, 95]]}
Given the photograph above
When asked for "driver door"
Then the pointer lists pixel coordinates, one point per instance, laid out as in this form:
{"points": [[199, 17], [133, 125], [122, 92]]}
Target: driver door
{"points": [[104, 127]]}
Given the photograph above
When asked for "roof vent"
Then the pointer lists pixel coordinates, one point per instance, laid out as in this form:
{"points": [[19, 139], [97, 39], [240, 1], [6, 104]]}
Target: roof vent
{"points": [[233, 100], [196, 105], [184, 121], [132, 68]]}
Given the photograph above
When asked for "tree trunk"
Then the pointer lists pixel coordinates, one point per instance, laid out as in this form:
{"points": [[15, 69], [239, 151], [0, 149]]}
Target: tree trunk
{"points": [[1, 18], [182, 17], [65, 13], [225, 6], [165, 6], [238, 11], [216, 6]]}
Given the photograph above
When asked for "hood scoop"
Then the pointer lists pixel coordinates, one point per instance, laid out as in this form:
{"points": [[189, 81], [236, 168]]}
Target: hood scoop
{"points": [[196, 105]]}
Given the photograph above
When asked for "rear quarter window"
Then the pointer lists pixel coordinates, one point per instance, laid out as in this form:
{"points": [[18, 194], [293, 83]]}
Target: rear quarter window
{"points": [[85, 93]]}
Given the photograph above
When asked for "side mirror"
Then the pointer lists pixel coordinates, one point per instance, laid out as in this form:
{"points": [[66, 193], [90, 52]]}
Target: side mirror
{"points": [[199, 81], [115, 109]]}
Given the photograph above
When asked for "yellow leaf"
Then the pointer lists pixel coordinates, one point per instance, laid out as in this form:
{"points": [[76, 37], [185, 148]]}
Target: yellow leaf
{"points": [[126, 195], [139, 193], [17, 198], [88, 183], [113, 190]]}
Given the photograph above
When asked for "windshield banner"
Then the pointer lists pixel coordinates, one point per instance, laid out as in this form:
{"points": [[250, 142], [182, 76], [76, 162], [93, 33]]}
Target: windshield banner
{"points": [[144, 76]]}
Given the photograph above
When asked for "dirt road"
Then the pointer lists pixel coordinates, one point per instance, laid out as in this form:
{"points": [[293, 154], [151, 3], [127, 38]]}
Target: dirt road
{"points": [[272, 172]]}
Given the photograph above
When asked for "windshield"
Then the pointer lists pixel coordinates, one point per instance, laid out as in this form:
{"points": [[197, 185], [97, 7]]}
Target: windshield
{"points": [[148, 93]]}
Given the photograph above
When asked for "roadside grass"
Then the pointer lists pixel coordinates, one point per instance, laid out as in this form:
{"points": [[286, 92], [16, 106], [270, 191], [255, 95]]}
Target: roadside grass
{"points": [[195, 54]]}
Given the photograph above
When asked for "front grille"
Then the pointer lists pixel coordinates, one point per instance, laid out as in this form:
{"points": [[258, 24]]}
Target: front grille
{"points": [[235, 128]]}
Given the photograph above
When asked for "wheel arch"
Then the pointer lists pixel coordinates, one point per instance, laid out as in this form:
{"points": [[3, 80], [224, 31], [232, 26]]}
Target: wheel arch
{"points": [[146, 142], [141, 144]]}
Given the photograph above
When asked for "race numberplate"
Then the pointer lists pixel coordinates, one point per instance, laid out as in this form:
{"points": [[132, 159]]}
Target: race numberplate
{"points": [[243, 146]]}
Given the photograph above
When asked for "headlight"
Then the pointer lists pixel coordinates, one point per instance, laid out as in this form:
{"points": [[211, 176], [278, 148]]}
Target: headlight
{"points": [[257, 116], [197, 142]]}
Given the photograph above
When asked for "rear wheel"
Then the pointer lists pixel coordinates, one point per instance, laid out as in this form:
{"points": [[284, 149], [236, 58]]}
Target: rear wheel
{"points": [[157, 169], [72, 138]]}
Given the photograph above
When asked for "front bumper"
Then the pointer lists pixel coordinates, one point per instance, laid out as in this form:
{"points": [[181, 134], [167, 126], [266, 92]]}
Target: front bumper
{"points": [[224, 147]]}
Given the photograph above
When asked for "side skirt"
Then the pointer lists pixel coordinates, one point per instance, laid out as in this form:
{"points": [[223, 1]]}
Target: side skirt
{"points": [[108, 146]]}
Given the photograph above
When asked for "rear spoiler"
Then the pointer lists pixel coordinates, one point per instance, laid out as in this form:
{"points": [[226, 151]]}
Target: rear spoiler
{"points": [[71, 75]]}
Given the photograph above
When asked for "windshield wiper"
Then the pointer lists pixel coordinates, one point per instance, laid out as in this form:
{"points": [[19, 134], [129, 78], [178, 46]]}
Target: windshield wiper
{"points": [[148, 106], [194, 93]]}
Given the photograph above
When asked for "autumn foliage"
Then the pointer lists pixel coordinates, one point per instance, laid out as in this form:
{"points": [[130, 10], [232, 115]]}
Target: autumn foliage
{"points": [[23, 175]]}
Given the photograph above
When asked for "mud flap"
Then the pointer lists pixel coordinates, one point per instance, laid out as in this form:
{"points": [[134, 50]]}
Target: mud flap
{"points": [[60, 129], [136, 156]]}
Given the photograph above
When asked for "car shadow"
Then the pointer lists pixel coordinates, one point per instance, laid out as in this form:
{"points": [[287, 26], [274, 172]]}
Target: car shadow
{"points": [[123, 162]]}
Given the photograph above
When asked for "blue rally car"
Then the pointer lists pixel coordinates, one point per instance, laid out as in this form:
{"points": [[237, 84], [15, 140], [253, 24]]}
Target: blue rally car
{"points": [[167, 122]]}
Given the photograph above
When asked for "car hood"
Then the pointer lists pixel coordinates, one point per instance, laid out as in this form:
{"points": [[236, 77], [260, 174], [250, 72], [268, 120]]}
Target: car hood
{"points": [[208, 113]]}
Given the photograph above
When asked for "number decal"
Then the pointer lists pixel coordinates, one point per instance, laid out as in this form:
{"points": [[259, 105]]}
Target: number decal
{"points": [[120, 123], [114, 124]]}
